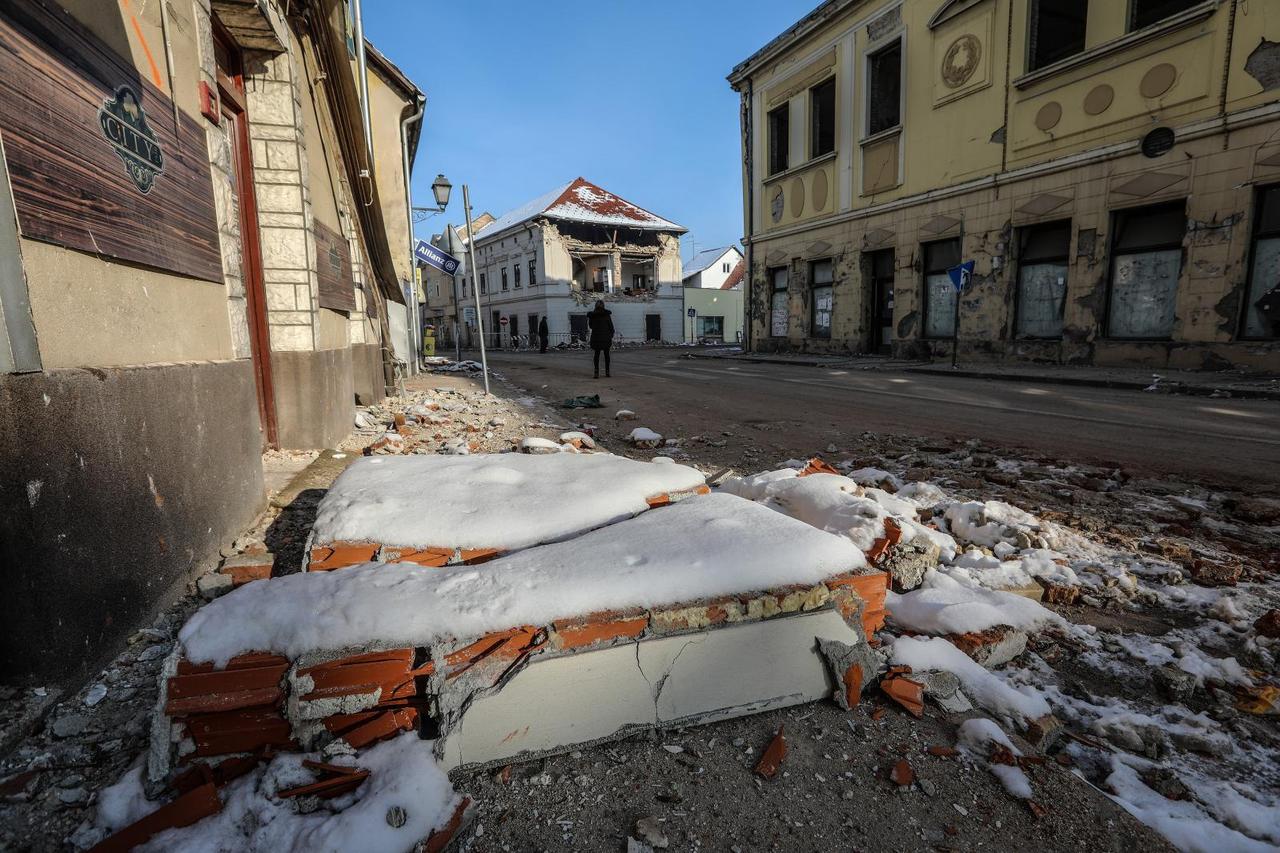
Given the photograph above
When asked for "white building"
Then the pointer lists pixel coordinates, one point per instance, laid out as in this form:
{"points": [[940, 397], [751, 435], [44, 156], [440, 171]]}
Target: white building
{"points": [[556, 255], [711, 267]]}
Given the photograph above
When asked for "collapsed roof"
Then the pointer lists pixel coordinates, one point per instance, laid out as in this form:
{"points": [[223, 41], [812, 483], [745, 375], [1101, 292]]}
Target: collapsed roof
{"points": [[584, 202]]}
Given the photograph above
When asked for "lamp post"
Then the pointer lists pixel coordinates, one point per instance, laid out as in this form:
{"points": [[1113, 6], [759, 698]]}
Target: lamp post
{"points": [[440, 188], [475, 289]]}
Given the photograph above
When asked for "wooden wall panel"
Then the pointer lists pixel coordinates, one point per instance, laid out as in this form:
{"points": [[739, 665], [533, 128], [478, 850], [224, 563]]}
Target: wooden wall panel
{"points": [[333, 269], [69, 185]]}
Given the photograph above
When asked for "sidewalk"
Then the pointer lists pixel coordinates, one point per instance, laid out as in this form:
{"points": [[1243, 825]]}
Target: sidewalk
{"points": [[1223, 384]]}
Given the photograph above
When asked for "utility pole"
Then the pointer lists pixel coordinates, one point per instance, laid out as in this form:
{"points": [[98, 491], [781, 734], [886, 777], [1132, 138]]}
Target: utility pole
{"points": [[475, 277], [457, 304]]}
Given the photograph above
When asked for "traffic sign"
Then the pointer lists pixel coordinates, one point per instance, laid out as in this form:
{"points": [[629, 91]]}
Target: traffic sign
{"points": [[693, 312], [960, 275], [430, 255], [503, 321]]}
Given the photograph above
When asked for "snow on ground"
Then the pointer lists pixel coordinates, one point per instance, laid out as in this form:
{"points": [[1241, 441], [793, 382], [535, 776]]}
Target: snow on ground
{"points": [[983, 686], [957, 604], [702, 547], [501, 501], [403, 775], [976, 739]]}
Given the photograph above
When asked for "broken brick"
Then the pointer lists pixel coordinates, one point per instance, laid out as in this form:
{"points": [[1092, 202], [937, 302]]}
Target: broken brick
{"points": [[439, 840], [902, 774], [248, 681], [1058, 593], [366, 727], [771, 759], [429, 557], [1268, 624], [192, 806], [475, 556], [871, 588], [880, 548], [599, 628], [816, 466], [245, 568], [335, 780], [504, 645], [390, 671], [853, 685], [339, 555], [943, 751], [247, 730], [993, 647], [907, 693]]}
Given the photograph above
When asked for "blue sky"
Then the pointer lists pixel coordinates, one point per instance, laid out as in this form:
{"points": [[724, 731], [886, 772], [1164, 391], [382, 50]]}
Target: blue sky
{"points": [[524, 96]]}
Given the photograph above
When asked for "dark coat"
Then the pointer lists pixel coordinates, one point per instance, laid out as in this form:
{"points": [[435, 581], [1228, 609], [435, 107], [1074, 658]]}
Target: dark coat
{"points": [[600, 321], [543, 332]]}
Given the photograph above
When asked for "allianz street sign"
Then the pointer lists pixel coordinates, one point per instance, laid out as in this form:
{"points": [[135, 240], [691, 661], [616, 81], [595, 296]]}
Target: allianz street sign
{"points": [[430, 255]]}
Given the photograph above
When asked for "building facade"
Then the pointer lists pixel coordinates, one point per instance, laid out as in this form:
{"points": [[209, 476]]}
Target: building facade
{"points": [[200, 247], [711, 267], [1111, 167], [555, 256]]}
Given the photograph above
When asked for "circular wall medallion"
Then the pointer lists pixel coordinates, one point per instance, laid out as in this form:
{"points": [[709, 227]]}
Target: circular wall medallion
{"points": [[1158, 80], [961, 60], [1049, 116], [1098, 99], [1158, 142], [820, 190], [776, 204], [797, 197]]}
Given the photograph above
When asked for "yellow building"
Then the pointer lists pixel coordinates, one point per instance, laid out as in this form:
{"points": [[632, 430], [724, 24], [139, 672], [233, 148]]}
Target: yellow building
{"points": [[1111, 167]]}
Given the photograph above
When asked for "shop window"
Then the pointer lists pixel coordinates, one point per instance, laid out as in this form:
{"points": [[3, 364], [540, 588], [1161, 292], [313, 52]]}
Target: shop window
{"points": [[1043, 251], [778, 302], [533, 275], [822, 118], [1057, 31], [884, 89], [820, 280], [779, 139], [711, 327], [1144, 13], [1262, 308], [940, 295], [1146, 263]]}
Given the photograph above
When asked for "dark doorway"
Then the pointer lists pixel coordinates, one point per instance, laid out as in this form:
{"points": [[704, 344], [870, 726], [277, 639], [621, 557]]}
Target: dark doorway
{"points": [[578, 328], [236, 126], [515, 330], [495, 331], [879, 266], [653, 327]]}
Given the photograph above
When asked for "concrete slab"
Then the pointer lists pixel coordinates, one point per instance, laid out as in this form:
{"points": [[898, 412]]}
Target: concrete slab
{"points": [[557, 704]]}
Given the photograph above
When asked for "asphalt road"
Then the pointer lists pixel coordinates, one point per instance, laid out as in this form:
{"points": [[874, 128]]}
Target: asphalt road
{"points": [[1215, 441]]}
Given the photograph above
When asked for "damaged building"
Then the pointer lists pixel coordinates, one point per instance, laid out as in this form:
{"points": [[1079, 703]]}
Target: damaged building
{"points": [[204, 240], [1112, 170], [556, 255]]}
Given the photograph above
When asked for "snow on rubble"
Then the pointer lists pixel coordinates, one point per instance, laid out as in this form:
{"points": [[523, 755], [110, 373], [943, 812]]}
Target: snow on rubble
{"points": [[503, 501], [703, 547]]}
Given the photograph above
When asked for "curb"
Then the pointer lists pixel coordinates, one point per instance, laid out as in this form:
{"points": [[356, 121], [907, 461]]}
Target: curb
{"points": [[1172, 387]]}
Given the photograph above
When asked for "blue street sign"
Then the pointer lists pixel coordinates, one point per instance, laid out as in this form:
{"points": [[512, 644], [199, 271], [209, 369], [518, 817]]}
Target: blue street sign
{"points": [[430, 255], [693, 312], [960, 275]]}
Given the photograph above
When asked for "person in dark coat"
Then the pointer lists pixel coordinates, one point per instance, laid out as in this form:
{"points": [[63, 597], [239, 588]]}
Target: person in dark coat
{"points": [[544, 335], [600, 321]]}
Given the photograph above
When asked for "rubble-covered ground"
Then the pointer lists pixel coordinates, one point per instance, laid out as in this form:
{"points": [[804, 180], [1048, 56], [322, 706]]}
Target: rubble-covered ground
{"points": [[1161, 668]]}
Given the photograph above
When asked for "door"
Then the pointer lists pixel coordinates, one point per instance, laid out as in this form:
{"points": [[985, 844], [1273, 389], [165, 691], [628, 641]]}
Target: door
{"points": [[515, 330], [653, 327], [880, 293], [235, 125], [495, 331], [578, 328]]}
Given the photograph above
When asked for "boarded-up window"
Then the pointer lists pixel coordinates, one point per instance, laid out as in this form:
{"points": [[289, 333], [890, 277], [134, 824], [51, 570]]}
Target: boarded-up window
{"points": [[1262, 308], [884, 88], [820, 279], [779, 138], [1057, 31], [778, 302], [1042, 279], [940, 296], [822, 119], [1147, 251]]}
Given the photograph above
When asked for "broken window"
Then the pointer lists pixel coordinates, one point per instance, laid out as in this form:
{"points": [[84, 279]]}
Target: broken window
{"points": [[1144, 13], [778, 303], [822, 118], [533, 276], [940, 295], [820, 280], [1043, 251], [515, 271], [779, 138], [1147, 260], [1057, 31], [1262, 307], [884, 89]]}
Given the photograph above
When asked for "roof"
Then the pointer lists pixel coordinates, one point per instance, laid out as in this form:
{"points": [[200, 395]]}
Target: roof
{"points": [[706, 258], [735, 277], [582, 201], [798, 30]]}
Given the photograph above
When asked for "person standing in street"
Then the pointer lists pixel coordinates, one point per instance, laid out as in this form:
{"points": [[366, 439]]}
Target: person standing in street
{"points": [[544, 335], [600, 321]]}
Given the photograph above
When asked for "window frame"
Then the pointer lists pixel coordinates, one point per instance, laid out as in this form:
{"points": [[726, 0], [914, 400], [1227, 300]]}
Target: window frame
{"points": [[814, 116], [533, 272], [1131, 15], [515, 276], [813, 299], [1114, 255], [895, 42], [926, 271], [782, 113], [1021, 261], [1255, 234], [504, 279], [774, 290], [1029, 64], [484, 285]]}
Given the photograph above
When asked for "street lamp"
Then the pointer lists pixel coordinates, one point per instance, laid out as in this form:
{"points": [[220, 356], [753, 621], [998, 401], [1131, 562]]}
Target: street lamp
{"points": [[440, 188]]}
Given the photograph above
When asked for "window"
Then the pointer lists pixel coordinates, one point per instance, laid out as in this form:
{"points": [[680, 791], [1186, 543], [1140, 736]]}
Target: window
{"points": [[820, 281], [822, 118], [504, 278], [533, 275], [779, 138], [515, 270], [1144, 13], [1146, 263], [1043, 252], [724, 267], [884, 89], [1262, 307], [484, 285], [940, 296], [778, 303], [639, 281], [711, 327], [600, 279], [1057, 31]]}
